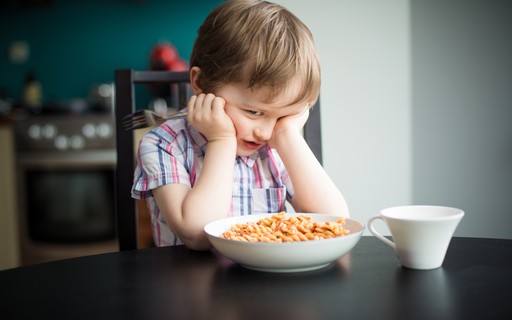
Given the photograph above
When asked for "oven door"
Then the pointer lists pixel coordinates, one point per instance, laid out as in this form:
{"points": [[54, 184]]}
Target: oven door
{"points": [[67, 199]]}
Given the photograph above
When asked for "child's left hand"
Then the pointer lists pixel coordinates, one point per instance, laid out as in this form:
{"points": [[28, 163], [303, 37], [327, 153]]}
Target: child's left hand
{"points": [[289, 125]]}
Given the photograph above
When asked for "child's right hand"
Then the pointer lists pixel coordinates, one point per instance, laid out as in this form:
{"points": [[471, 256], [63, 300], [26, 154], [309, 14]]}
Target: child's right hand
{"points": [[206, 114]]}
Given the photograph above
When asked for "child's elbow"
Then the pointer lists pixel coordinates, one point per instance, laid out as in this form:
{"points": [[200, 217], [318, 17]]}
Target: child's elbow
{"points": [[198, 242]]}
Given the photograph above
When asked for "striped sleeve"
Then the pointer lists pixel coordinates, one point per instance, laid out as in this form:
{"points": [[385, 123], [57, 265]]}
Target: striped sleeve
{"points": [[162, 159]]}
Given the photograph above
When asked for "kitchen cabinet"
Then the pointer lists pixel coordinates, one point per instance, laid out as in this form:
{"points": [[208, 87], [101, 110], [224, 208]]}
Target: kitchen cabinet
{"points": [[9, 251]]}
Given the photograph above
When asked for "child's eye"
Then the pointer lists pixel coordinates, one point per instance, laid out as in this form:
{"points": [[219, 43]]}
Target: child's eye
{"points": [[255, 113]]}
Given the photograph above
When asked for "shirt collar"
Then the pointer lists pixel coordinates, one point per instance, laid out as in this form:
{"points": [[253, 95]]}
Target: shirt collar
{"points": [[250, 160]]}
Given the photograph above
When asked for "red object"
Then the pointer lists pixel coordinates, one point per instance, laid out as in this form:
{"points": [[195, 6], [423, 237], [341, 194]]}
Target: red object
{"points": [[165, 57]]}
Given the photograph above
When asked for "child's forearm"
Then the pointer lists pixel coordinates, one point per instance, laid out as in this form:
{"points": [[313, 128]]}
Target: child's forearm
{"points": [[210, 198], [314, 189]]}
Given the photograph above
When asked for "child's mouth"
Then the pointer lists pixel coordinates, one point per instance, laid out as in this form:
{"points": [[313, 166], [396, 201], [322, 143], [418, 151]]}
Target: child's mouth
{"points": [[251, 145]]}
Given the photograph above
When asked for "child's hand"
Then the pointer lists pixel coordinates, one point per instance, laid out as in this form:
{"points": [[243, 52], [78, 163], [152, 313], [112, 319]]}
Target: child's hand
{"points": [[206, 114], [288, 125]]}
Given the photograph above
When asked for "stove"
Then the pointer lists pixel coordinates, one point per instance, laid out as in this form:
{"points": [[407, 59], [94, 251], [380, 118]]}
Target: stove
{"points": [[66, 185], [65, 132]]}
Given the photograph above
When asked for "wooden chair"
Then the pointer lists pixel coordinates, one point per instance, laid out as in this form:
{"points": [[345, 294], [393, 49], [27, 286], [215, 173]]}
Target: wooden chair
{"points": [[125, 103]]}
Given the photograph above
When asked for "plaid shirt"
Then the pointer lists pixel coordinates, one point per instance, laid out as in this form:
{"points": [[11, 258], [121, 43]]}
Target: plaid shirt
{"points": [[174, 153]]}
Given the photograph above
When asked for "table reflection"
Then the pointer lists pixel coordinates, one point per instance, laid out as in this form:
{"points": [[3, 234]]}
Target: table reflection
{"points": [[424, 292], [238, 292]]}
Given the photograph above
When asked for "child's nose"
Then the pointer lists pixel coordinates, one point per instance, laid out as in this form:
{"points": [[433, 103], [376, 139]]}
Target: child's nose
{"points": [[264, 132]]}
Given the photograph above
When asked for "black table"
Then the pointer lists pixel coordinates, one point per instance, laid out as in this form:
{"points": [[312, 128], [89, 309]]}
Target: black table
{"points": [[475, 282]]}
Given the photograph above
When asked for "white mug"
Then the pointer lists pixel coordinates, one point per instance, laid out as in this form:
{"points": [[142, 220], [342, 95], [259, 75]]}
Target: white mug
{"points": [[421, 234]]}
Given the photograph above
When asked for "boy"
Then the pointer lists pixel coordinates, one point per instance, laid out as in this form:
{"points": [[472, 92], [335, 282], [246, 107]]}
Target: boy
{"points": [[254, 73]]}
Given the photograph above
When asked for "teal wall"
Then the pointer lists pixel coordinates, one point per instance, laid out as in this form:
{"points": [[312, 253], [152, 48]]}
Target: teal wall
{"points": [[75, 44]]}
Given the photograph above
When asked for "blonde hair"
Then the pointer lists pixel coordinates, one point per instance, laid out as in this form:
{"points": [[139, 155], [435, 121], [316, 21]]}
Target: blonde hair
{"points": [[258, 43]]}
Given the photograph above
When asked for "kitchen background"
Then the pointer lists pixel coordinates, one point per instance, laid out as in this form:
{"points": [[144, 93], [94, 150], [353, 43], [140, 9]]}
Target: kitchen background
{"points": [[71, 47], [416, 95], [76, 44]]}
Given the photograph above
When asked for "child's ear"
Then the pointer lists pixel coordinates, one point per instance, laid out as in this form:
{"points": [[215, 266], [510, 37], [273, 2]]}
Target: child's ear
{"points": [[195, 80]]}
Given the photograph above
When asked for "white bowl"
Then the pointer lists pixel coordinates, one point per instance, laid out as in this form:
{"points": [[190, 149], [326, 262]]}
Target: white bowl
{"points": [[283, 256]]}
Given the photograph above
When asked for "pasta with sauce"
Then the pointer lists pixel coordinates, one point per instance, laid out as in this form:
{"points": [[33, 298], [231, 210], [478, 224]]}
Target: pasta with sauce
{"points": [[277, 228]]}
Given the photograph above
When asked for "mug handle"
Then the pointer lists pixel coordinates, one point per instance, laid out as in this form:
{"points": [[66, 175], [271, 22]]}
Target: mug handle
{"points": [[378, 235]]}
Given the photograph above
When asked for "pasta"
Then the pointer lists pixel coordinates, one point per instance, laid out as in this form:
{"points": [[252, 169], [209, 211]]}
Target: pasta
{"points": [[277, 228]]}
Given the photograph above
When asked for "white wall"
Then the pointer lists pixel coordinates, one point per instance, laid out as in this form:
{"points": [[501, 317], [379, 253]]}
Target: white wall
{"points": [[365, 98], [417, 105]]}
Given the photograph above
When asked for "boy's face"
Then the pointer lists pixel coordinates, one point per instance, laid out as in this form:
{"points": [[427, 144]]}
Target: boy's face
{"points": [[254, 117]]}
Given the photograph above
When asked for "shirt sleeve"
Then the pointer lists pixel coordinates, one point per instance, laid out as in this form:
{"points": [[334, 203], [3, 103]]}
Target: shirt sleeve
{"points": [[161, 160]]}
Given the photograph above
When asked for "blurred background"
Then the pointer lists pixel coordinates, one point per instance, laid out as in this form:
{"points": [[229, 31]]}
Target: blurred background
{"points": [[416, 99], [72, 46]]}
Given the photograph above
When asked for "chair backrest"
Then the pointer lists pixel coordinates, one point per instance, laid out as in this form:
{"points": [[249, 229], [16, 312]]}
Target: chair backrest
{"points": [[125, 84]]}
